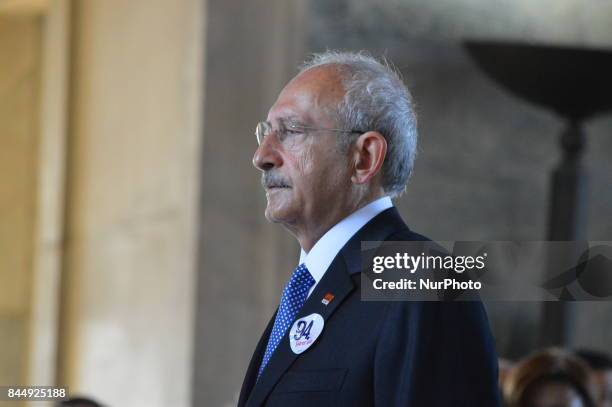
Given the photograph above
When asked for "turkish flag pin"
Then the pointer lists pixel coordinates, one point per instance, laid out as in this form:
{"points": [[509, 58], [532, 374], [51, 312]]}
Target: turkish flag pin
{"points": [[327, 299]]}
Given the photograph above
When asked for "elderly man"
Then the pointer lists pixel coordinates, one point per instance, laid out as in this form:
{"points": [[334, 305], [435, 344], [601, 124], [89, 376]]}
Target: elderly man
{"points": [[337, 145]]}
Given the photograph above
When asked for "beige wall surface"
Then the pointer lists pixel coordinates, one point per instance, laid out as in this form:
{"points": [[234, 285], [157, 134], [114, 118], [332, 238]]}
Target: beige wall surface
{"points": [[50, 191], [24, 7], [19, 97], [126, 326]]}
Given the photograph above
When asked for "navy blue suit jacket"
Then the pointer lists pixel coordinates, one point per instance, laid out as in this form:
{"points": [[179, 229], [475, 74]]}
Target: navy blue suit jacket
{"points": [[370, 353]]}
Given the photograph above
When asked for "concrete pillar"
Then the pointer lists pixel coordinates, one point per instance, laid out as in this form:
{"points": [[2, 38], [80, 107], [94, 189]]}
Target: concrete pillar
{"points": [[20, 48], [126, 331], [49, 237]]}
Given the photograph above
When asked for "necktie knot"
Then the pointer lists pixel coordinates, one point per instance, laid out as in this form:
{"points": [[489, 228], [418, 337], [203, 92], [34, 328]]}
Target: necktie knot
{"points": [[300, 279], [294, 296]]}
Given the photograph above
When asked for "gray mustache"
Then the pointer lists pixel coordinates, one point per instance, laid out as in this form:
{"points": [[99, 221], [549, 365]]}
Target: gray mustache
{"points": [[273, 179]]}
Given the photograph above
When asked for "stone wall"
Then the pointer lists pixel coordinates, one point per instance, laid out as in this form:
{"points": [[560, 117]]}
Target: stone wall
{"points": [[485, 156], [20, 48]]}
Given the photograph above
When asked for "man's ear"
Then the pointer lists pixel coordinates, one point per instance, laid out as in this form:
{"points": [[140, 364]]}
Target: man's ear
{"points": [[369, 152]]}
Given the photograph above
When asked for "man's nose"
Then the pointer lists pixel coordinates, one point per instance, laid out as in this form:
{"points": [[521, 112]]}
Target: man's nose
{"points": [[267, 155]]}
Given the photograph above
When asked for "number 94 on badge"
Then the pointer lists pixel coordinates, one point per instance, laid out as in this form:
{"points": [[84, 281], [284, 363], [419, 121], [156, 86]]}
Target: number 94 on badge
{"points": [[305, 332]]}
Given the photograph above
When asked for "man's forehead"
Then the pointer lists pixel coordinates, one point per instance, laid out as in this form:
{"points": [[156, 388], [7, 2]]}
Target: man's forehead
{"points": [[324, 79], [318, 88]]}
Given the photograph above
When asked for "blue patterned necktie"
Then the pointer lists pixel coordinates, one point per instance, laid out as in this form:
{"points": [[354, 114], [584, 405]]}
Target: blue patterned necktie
{"points": [[294, 296]]}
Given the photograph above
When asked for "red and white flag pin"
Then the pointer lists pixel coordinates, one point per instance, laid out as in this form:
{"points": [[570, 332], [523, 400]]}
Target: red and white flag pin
{"points": [[327, 299]]}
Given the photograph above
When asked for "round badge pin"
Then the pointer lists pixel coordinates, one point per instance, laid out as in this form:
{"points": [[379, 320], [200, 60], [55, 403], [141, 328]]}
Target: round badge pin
{"points": [[305, 332]]}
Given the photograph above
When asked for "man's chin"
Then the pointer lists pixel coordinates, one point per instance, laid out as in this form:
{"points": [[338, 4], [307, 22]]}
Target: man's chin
{"points": [[276, 215], [272, 216]]}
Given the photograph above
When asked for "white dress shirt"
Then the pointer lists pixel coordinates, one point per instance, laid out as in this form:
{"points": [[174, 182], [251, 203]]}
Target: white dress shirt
{"points": [[321, 255]]}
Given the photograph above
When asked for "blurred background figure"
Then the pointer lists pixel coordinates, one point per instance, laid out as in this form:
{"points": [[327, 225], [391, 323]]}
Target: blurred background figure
{"points": [[601, 373], [551, 378], [505, 367], [79, 402]]}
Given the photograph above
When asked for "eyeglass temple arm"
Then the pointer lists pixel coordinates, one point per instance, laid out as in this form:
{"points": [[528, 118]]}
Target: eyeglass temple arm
{"points": [[338, 130]]}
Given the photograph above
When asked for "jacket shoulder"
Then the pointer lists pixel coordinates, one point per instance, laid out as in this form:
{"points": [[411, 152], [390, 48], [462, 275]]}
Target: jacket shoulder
{"points": [[407, 235]]}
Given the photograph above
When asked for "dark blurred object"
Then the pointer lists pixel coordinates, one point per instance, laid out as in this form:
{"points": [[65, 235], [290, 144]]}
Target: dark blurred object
{"points": [[592, 271], [551, 378], [601, 370], [79, 402], [576, 84]]}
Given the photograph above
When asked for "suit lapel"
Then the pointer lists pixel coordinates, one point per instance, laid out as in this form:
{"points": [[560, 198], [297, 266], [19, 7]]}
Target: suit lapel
{"points": [[336, 281], [251, 375]]}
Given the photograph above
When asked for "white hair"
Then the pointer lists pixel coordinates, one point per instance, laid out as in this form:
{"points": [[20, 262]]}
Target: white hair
{"points": [[376, 99]]}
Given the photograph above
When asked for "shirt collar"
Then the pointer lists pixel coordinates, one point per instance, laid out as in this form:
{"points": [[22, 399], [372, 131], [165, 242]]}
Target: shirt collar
{"points": [[327, 247]]}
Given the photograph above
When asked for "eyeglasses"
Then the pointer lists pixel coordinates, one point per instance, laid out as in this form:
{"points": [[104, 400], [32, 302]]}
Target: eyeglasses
{"points": [[287, 129]]}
